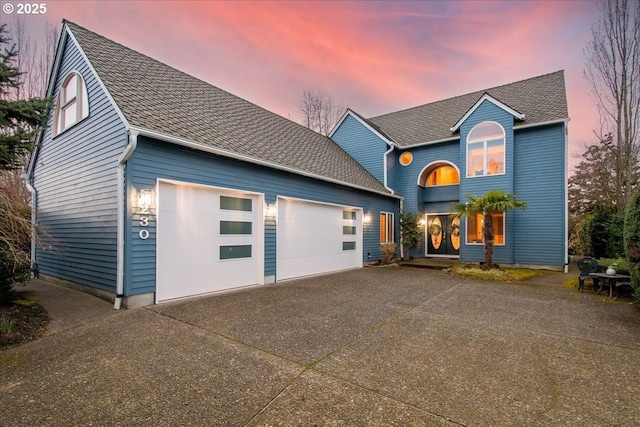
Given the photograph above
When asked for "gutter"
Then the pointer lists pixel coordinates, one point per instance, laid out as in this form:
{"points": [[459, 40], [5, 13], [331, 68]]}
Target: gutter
{"points": [[121, 206], [248, 159]]}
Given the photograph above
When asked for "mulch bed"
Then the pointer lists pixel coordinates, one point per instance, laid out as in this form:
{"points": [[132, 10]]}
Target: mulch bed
{"points": [[30, 321]]}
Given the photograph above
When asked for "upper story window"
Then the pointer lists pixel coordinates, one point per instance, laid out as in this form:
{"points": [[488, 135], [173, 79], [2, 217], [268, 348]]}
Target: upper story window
{"points": [[73, 103], [443, 175], [486, 150]]}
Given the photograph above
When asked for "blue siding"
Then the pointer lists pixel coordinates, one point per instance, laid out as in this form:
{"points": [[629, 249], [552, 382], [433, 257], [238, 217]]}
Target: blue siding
{"points": [[444, 193], [488, 111], [540, 232], [75, 180], [154, 159], [407, 176], [363, 145]]}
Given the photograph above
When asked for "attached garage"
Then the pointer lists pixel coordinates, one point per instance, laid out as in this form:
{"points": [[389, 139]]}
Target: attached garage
{"points": [[315, 238], [208, 240]]}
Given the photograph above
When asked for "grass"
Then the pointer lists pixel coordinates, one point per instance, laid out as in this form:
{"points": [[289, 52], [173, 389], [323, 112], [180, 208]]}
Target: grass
{"points": [[6, 325], [507, 275]]}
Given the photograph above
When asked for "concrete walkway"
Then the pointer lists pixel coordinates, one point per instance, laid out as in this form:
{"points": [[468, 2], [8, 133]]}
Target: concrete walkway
{"points": [[376, 346]]}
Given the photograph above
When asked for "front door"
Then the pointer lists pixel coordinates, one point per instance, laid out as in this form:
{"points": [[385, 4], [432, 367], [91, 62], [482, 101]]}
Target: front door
{"points": [[443, 235]]}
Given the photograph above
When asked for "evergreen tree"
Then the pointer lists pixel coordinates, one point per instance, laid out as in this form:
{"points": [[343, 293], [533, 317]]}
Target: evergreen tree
{"points": [[20, 119]]}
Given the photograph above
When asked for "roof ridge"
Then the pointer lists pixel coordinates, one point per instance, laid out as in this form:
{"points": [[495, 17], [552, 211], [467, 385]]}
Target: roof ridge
{"points": [[481, 92], [239, 126], [184, 73]]}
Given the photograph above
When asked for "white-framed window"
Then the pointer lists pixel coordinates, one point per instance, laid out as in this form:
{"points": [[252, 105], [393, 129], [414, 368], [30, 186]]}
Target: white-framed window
{"points": [[386, 227], [486, 150], [474, 229], [73, 103]]}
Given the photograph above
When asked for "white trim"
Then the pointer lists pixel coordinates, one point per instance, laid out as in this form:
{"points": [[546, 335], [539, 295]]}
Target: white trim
{"points": [[353, 114], [393, 226], [485, 165], [566, 199], [200, 147], [81, 98], [98, 79], [384, 170], [121, 218], [420, 144], [206, 186], [550, 122], [435, 163], [487, 97]]}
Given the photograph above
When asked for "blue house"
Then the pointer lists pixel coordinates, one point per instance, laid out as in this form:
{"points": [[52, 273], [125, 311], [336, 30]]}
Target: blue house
{"points": [[154, 185], [511, 137]]}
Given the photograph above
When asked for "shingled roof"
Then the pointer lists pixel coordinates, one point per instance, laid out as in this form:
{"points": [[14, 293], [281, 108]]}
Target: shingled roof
{"points": [[156, 97], [542, 99]]}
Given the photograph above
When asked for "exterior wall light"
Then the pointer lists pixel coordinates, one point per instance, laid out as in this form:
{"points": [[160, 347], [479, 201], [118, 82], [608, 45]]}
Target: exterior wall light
{"points": [[366, 219], [272, 211], [145, 200]]}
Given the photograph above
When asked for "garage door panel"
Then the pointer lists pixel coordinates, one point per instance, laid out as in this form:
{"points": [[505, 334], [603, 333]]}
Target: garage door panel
{"points": [[190, 240], [311, 236]]}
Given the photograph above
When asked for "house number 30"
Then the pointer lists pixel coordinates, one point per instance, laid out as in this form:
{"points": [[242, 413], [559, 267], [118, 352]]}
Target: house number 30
{"points": [[144, 233]]}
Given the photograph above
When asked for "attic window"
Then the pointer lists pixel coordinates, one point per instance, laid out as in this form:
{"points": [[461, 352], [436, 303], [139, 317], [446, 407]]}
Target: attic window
{"points": [[73, 103]]}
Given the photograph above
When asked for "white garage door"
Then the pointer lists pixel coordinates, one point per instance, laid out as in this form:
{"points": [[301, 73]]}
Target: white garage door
{"points": [[316, 238], [208, 240]]}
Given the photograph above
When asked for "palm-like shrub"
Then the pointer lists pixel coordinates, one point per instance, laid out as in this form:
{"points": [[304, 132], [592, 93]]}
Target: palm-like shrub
{"points": [[492, 202]]}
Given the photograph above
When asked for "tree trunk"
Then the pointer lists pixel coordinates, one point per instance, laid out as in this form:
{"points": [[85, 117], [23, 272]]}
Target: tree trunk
{"points": [[488, 235]]}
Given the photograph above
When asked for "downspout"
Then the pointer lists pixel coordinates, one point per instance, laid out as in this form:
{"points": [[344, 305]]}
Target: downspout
{"points": [[385, 183], [34, 218], [121, 206], [566, 197]]}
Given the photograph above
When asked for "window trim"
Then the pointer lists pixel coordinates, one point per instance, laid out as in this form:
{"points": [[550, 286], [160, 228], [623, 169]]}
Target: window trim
{"points": [[81, 101], [466, 233], [388, 223], [485, 156], [437, 163]]}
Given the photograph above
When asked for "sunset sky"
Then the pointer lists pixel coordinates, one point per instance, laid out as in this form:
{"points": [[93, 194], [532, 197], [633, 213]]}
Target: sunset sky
{"points": [[372, 56]]}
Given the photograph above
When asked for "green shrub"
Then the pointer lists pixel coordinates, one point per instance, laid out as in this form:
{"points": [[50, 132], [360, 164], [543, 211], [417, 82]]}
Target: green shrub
{"points": [[600, 234], [409, 231], [621, 265], [632, 240]]}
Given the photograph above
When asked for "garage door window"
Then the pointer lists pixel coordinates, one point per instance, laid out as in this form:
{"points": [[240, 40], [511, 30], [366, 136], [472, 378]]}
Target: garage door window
{"points": [[348, 230], [235, 204], [348, 246], [235, 227], [235, 252], [350, 215]]}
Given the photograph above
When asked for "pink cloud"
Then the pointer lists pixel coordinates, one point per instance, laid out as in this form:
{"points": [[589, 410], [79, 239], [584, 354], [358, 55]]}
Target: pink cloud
{"points": [[373, 56]]}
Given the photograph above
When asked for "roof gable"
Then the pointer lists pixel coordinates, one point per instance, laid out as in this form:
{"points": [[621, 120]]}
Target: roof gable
{"points": [[167, 102], [364, 122], [486, 97], [541, 99]]}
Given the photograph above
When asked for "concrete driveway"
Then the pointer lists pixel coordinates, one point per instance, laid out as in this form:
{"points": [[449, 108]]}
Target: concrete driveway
{"points": [[376, 346]]}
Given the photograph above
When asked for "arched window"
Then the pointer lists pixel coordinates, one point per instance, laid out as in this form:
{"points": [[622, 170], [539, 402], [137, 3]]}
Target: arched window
{"points": [[442, 175], [73, 102], [439, 173], [485, 150]]}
